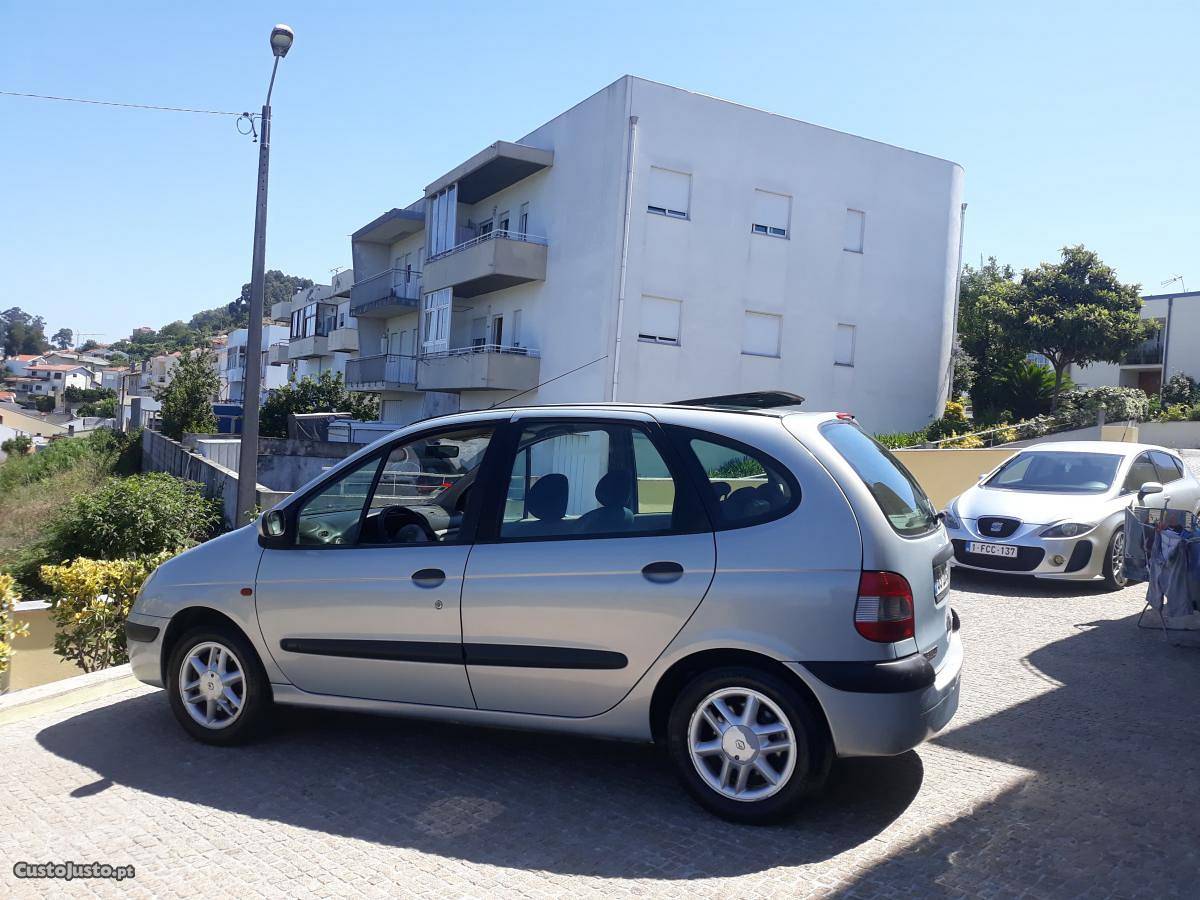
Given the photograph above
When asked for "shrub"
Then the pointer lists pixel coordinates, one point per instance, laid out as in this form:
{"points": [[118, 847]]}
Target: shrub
{"points": [[44, 404], [1178, 412], [1120, 403], [953, 422], [105, 408], [966, 442], [10, 630], [742, 467], [901, 439], [20, 445], [91, 602], [88, 395], [1180, 389], [326, 393], [136, 516], [1195, 413], [1029, 388]]}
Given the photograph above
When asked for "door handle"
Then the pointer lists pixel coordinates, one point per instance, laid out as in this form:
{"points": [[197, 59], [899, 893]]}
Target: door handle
{"points": [[428, 578], [662, 572]]}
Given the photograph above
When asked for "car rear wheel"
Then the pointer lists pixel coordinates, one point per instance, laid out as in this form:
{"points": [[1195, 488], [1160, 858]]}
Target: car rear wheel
{"points": [[746, 745], [217, 686], [1114, 561]]}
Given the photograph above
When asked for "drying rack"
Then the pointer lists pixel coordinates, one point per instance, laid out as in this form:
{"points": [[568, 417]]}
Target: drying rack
{"points": [[1163, 518]]}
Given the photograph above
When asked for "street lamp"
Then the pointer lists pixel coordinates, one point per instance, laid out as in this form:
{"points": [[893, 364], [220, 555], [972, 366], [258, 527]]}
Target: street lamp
{"points": [[247, 494]]}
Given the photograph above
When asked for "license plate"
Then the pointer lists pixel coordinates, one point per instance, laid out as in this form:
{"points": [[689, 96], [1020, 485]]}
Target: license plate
{"points": [[941, 580], [1004, 550]]}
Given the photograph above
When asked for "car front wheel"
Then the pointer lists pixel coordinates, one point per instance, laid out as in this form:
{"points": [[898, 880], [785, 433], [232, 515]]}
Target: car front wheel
{"points": [[217, 687], [746, 745], [1114, 561]]}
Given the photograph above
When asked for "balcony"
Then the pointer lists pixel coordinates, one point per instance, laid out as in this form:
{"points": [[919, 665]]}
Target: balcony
{"points": [[493, 169], [482, 368], [490, 262], [382, 372], [1148, 353], [308, 347], [277, 354], [235, 374], [281, 311], [390, 293], [343, 340]]}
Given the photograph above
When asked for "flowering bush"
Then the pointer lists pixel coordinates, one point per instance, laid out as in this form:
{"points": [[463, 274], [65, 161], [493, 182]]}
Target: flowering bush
{"points": [[10, 630], [91, 600]]}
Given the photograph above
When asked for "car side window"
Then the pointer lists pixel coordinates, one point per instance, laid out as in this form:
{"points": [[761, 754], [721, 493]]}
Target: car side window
{"points": [[1140, 472], [1168, 466], [581, 480], [415, 493], [747, 487]]}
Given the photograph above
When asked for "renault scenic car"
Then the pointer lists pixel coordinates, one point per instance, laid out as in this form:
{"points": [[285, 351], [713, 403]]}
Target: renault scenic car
{"points": [[1057, 510], [760, 591]]}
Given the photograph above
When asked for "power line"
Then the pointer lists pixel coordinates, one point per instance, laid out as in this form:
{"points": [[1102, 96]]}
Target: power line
{"points": [[184, 109]]}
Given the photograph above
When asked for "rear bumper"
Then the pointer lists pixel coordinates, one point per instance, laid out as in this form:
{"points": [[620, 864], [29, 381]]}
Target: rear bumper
{"points": [[144, 638], [874, 712]]}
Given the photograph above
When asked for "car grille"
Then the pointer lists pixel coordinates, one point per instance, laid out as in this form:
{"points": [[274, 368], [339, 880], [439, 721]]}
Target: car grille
{"points": [[997, 526], [1026, 560]]}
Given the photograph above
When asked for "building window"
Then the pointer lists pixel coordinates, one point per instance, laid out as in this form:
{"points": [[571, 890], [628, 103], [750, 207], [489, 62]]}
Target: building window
{"points": [[516, 328], [772, 213], [856, 226], [760, 334], [843, 345], [669, 193], [523, 221], [659, 323]]}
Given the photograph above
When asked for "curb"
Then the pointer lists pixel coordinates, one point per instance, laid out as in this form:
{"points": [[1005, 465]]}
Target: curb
{"points": [[67, 692]]}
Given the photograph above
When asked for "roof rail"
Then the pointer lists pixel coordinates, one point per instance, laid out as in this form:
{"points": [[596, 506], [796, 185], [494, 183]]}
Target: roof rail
{"points": [[748, 400]]}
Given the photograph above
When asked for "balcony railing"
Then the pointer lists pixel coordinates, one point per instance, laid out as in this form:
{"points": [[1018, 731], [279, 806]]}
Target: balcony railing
{"points": [[382, 371], [494, 234], [385, 293], [1149, 353], [480, 367]]}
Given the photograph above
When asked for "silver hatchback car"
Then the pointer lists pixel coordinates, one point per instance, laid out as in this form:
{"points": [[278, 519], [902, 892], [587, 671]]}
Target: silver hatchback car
{"points": [[759, 590]]}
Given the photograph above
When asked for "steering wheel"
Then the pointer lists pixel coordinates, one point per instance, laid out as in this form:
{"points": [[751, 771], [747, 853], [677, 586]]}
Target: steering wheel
{"points": [[401, 525]]}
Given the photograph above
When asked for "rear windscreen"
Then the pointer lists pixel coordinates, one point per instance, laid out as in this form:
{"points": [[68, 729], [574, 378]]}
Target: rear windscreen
{"points": [[894, 489]]}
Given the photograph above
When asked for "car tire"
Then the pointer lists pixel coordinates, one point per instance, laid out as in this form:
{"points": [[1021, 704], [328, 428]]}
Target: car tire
{"points": [[745, 764], [1114, 576], [228, 698]]}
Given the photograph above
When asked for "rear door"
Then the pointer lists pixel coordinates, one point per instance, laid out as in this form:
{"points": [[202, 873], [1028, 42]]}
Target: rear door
{"points": [[594, 554], [1178, 492]]}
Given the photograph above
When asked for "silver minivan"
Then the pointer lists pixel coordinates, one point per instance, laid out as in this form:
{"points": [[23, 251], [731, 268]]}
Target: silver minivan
{"points": [[760, 590]]}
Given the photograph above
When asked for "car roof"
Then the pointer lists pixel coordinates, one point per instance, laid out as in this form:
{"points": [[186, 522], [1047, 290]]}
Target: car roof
{"points": [[1117, 448]]}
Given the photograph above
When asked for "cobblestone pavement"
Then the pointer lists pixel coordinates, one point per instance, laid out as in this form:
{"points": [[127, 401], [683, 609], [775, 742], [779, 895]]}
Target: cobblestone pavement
{"points": [[1070, 770]]}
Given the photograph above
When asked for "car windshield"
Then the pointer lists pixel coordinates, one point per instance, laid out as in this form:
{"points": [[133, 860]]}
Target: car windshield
{"points": [[893, 487], [1057, 472]]}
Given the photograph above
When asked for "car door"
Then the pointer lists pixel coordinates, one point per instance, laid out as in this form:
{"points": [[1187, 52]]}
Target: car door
{"points": [[1178, 492], [364, 599], [594, 552], [1141, 471]]}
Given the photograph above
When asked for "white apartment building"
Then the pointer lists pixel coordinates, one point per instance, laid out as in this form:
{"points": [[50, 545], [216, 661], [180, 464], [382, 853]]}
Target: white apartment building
{"points": [[1174, 349], [321, 333], [231, 364], [652, 244]]}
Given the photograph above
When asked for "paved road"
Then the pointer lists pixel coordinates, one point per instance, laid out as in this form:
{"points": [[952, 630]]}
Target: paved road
{"points": [[1070, 771]]}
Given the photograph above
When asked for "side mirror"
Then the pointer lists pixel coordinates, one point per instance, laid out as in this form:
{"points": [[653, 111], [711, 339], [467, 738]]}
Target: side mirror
{"points": [[1150, 487], [272, 528]]}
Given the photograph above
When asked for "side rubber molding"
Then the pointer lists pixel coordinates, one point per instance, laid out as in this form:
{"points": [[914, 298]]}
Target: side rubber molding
{"points": [[144, 634], [895, 676]]}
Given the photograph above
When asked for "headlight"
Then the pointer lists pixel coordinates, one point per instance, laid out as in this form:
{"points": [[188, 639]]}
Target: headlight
{"points": [[949, 518], [1067, 530]]}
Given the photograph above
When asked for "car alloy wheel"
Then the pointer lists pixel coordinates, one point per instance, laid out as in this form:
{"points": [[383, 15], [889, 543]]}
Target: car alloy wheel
{"points": [[742, 744], [212, 685], [1116, 560]]}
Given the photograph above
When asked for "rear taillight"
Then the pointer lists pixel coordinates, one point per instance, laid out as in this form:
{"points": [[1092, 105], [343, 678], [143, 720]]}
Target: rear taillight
{"points": [[884, 611]]}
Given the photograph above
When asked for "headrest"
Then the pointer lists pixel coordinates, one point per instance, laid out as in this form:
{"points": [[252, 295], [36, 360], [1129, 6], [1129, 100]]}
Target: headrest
{"points": [[614, 488], [547, 499]]}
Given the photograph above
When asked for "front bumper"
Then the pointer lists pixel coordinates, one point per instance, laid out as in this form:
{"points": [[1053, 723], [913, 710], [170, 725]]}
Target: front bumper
{"points": [[144, 638], [1065, 559], [873, 723]]}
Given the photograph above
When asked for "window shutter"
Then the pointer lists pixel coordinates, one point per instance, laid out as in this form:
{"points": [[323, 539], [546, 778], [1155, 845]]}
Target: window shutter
{"points": [[669, 192], [843, 345], [760, 334], [659, 320], [772, 211], [856, 221]]}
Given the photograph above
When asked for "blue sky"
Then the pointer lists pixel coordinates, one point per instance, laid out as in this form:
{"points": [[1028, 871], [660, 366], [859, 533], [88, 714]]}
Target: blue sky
{"points": [[1075, 122]]}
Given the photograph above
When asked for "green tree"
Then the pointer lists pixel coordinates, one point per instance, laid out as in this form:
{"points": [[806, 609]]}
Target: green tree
{"points": [[17, 446], [62, 338], [985, 334], [187, 400], [21, 332], [1075, 312], [44, 404], [324, 394], [1180, 388]]}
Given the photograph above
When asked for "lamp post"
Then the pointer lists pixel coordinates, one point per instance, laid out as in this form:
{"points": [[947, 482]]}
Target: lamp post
{"points": [[247, 494]]}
